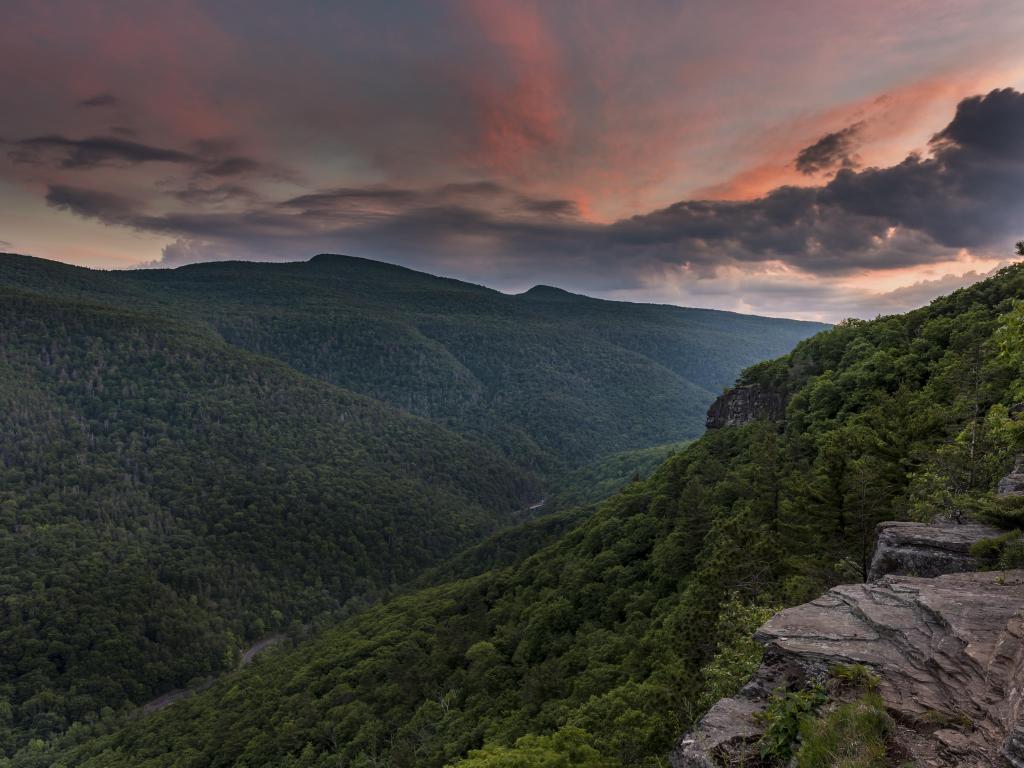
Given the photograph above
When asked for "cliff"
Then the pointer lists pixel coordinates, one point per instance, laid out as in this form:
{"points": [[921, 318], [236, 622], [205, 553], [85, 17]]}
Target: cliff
{"points": [[948, 651], [744, 404]]}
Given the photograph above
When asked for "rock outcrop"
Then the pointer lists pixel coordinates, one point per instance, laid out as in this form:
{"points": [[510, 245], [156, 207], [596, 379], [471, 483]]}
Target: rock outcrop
{"points": [[919, 549], [741, 405], [1013, 483], [948, 650]]}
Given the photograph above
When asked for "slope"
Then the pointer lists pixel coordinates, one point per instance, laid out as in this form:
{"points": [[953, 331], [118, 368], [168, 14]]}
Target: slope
{"points": [[554, 379], [165, 496], [602, 647]]}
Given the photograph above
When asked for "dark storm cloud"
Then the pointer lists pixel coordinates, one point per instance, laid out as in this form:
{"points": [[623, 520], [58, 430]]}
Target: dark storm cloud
{"points": [[966, 195], [100, 100], [93, 152], [833, 150], [210, 159], [91, 203], [990, 124]]}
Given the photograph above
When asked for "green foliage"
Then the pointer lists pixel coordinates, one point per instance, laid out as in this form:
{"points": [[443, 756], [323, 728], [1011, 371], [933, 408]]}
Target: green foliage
{"points": [[605, 477], [853, 735], [783, 720], [556, 380], [616, 624], [166, 499], [738, 655], [855, 676], [567, 748], [1001, 552]]}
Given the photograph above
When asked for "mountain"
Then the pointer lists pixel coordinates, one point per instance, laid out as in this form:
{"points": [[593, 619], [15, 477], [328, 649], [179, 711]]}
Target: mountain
{"points": [[608, 642], [198, 459], [554, 379], [165, 496]]}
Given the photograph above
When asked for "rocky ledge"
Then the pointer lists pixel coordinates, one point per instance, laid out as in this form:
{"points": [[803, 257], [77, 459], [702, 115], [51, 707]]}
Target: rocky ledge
{"points": [[948, 650], [741, 405], [919, 549]]}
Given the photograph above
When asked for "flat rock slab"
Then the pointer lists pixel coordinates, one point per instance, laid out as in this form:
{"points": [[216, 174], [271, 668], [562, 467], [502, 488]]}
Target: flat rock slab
{"points": [[948, 650], [920, 549]]}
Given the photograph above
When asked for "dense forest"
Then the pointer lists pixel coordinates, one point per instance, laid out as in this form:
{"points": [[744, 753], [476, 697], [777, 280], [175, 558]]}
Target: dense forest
{"points": [[601, 646], [183, 471], [165, 497], [553, 379]]}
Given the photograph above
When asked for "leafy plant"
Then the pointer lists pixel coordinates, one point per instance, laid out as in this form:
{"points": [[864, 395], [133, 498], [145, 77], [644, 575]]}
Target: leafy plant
{"points": [[782, 720]]}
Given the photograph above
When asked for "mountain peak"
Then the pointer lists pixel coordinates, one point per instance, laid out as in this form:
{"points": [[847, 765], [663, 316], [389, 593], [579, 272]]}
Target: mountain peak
{"points": [[549, 293]]}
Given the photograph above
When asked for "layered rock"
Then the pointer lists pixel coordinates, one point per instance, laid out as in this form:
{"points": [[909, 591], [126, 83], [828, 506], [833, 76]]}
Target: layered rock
{"points": [[741, 405], [918, 549], [948, 650]]}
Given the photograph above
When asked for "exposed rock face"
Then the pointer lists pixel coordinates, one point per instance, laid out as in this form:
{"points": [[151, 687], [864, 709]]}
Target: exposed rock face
{"points": [[949, 652], [917, 549], [951, 647], [741, 405], [1013, 483]]}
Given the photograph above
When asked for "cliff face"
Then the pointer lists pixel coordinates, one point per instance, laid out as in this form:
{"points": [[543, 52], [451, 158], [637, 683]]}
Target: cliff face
{"points": [[949, 652], [741, 405]]}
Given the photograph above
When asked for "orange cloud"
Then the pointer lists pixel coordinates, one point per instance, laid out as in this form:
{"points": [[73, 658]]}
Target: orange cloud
{"points": [[521, 108], [894, 123]]}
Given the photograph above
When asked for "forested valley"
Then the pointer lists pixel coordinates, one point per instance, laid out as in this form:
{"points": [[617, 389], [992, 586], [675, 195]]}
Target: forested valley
{"points": [[196, 460], [592, 638]]}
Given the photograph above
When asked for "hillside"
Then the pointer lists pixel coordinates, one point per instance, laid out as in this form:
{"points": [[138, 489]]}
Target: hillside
{"points": [[607, 644], [181, 473], [165, 497], [554, 379]]}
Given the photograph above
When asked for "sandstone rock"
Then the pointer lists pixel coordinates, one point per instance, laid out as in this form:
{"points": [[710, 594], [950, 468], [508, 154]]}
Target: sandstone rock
{"points": [[949, 649], [919, 549], [741, 405]]}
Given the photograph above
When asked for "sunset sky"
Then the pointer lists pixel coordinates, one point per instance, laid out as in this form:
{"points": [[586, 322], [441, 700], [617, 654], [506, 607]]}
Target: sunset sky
{"points": [[804, 159]]}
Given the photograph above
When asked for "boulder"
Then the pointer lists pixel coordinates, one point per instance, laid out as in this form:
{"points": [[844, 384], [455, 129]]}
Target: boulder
{"points": [[741, 405], [920, 549]]}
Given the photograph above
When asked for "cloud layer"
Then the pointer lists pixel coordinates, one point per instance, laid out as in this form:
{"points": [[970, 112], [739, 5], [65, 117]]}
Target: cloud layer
{"points": [[964, 196], [776, 162]]}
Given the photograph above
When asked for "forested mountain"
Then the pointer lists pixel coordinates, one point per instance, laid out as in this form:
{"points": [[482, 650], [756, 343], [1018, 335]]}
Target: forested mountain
{"points": [[165, 496], [600, 648], [554, 379], [185, 467]]}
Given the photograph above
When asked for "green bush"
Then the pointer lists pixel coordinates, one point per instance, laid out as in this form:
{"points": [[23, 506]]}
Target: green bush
{"points": [[1000, 552]]}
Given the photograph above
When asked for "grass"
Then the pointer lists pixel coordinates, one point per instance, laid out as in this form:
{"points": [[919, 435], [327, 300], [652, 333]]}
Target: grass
{"points": [[851, 736]]}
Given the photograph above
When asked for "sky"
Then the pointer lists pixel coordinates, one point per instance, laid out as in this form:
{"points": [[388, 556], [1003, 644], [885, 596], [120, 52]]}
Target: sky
{"points": [[819, 160]]}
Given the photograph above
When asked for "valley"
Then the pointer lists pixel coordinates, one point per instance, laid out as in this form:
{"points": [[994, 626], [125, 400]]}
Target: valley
{"points": [[606, 633]]}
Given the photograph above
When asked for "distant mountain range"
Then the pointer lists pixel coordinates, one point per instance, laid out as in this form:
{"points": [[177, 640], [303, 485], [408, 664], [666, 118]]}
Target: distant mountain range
{"points": [[553, 378]]}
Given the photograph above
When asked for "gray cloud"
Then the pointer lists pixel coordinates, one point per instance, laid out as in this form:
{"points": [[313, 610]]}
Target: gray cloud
{"points": [[965, 195], [833, 150], [212, 157], [93, 152], [100, 100], [106, 207]]}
